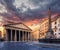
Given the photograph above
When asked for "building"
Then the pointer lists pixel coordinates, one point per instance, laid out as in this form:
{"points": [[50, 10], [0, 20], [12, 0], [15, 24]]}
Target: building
{"points": [[35, 31], [35, 34], [43, 27], [16, 32], [0, 35], [55, 26]]}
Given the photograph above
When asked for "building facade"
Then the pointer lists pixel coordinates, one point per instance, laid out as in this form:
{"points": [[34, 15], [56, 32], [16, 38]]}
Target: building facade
{"points": [[16, 32], [43, 27], [55, 26]]}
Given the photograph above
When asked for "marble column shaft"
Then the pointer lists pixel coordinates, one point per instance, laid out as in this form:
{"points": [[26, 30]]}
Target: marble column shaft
{"points": [[15, 36], [11, 35]]}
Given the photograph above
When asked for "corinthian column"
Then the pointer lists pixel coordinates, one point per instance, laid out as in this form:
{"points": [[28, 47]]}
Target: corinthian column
{"points": [[15, 36], [11, 35]]}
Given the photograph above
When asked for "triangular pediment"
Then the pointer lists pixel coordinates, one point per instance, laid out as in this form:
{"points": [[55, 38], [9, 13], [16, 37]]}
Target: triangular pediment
{"points": [[19, 25]]}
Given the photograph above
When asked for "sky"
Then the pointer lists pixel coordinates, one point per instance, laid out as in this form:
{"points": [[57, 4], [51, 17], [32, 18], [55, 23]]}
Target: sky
{"points": [[28, 11]]}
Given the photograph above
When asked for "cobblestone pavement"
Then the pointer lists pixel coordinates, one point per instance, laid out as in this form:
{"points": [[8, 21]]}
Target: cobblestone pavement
{"points": [[22, 46]]}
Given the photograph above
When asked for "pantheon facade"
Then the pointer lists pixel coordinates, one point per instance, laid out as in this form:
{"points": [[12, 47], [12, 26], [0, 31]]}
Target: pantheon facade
{"points": [[17, 32]]}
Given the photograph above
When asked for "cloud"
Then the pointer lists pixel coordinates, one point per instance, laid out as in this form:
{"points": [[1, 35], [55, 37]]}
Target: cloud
{"points": [[2, 7], [31, 9]]}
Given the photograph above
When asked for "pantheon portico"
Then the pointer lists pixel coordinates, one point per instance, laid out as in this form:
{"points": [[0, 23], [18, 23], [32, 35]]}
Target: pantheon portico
{"points": [[17, 32]]}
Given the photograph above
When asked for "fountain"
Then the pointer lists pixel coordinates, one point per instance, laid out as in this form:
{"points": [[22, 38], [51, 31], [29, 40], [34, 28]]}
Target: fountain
{"points": [[50, 37]]}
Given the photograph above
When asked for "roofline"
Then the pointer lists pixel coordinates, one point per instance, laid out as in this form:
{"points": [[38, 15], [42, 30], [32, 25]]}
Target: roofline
{"points": [[15, 24], [18, 28], [52, 20]]}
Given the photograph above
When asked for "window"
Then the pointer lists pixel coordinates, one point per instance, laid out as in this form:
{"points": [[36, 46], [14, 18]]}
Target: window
{"points": [[59, 20], [55, 22], [55, 28], [55, 33], [59, 33], [59, 29], [58, 25]]}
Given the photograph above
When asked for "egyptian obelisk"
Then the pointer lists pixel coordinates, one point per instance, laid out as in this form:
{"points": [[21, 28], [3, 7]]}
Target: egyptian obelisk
{"points": [[49, 33]]}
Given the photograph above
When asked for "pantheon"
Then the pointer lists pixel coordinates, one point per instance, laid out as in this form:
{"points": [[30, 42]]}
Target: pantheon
{"points": [[17, 32]]}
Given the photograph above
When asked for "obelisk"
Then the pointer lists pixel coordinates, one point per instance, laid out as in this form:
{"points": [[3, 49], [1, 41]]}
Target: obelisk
{"points": [[49, 33]]}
